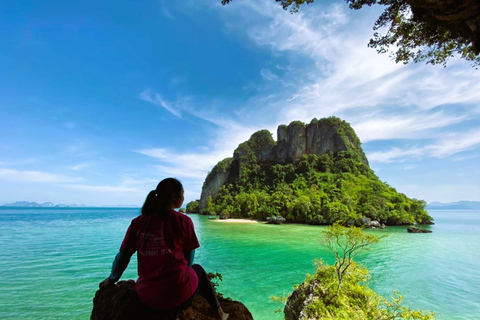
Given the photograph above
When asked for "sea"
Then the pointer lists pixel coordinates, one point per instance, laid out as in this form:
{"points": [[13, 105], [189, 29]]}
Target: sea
{"points": [[52, 260]]}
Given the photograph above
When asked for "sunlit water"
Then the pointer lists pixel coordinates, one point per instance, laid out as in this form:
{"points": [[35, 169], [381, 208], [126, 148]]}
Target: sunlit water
{"points": [[53, 259]]}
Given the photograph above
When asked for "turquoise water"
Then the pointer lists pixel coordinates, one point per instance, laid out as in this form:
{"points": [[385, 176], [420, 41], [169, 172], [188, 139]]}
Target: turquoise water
{"points": [[53, 259]]}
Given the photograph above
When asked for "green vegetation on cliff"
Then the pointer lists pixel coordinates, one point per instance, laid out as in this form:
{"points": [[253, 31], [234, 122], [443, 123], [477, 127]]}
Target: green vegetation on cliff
{"points": [[318, 190], [336, 186]]}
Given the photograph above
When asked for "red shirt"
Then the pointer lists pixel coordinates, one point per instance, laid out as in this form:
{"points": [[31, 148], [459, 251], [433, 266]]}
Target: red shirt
{"points": [[164, 278]]}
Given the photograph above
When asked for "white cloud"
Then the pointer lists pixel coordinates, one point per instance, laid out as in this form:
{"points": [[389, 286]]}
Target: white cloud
{"points": [[158, 100], [415, 124], [166, 12], [267, 74], [18, 162], [81, 166], [102, 188], [185, 165], [448, 145], [336, 74], [35, 176], [455, 142], [158, 153]]}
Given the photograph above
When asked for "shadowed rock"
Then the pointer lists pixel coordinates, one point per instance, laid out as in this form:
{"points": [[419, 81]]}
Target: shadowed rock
{"points": [[417, 230], [120, 302]]}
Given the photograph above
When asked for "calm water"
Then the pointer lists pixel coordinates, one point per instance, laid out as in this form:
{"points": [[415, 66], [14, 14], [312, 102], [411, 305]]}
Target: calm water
{"points": [[53, 259]]}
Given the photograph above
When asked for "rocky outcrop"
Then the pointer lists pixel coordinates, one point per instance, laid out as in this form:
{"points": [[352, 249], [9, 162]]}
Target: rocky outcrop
{"points": [[417, 230], [298, 301], [368, 223], [215, 180], [293, 142], [119, 302]]}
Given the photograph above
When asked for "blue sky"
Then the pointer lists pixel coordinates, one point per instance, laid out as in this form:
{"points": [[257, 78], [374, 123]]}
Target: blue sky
{"points": [[99, 100]]}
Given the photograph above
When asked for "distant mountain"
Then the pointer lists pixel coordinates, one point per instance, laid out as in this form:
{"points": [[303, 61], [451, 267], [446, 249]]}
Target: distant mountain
{"points": [[459, 205], [31, 204]]}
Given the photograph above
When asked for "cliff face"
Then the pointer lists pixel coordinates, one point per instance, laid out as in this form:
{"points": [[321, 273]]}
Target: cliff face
{"points": [[295, 140], [119, 302]]}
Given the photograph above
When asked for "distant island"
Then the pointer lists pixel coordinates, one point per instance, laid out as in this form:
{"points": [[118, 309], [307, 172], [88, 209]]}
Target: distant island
{"points": [[31, 204], [459, 205]]}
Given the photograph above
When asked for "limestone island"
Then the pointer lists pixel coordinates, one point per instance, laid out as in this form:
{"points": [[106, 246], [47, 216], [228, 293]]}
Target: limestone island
{"points": [[315, 173]]}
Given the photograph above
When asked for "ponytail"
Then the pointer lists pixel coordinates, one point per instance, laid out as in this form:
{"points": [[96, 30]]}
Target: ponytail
{"points": [[159, 200]]}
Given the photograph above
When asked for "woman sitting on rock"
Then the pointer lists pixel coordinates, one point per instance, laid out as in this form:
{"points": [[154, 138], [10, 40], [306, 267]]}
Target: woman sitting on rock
{"points": [[165, 242]]}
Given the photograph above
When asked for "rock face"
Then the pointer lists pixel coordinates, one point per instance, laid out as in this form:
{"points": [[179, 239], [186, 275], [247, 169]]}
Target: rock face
{"points": [[299, 300], [295, 140], [215, 180], [120, 302]]}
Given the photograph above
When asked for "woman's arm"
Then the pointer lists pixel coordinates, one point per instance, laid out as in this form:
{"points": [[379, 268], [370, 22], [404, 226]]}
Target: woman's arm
{"points": [[189, 255], [119, 265]]}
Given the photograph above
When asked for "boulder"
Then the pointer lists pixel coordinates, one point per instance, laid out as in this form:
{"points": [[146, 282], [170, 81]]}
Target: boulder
{"points": [[276, 220], [224, 216], [120, 302], [417, 230]]}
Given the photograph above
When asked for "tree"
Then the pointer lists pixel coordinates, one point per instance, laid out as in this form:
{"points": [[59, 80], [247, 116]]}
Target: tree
{"points": [[341, 291], [420, 30], [192, 206], [345, 244]]}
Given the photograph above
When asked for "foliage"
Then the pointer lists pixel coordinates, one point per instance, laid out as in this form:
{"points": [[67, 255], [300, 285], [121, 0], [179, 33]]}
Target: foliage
{"points": [[318, 189], [192, 206], [341, 291], [215, 279], [416, 34], [346, 244], [394, 310]]}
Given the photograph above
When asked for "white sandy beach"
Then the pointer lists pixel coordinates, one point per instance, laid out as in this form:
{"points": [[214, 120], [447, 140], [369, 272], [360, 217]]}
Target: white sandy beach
{"points": [[236, 220]]}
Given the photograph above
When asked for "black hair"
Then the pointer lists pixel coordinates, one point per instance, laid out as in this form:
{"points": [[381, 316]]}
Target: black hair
{"points": [[158, 200]]}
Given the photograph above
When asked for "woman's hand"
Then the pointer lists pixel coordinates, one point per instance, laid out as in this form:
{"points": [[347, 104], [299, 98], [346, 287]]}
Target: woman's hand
{"points": [[105, 283]]}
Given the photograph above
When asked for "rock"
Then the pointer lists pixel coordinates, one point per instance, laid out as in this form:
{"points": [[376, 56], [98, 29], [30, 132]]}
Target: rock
{"points": [[364, 222], [224, 216], [119, 302], [417, 230], [375, 224], [276, 220], [299, 300], [215, 180]]}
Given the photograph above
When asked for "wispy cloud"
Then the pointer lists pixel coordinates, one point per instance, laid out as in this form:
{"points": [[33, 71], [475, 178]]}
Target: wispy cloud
{"points": [[81, 166], [185, 165], [158, 100], [450, 144], [166, 12], [102, 188], [19, 162], [336, 74], [35, 176]]}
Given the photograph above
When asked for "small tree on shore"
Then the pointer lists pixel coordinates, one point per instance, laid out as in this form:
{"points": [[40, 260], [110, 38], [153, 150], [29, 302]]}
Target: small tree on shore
{"points": [[345, 244]]}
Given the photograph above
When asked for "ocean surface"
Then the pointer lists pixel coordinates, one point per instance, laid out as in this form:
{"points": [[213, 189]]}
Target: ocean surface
{"points": [[51, 261]]}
